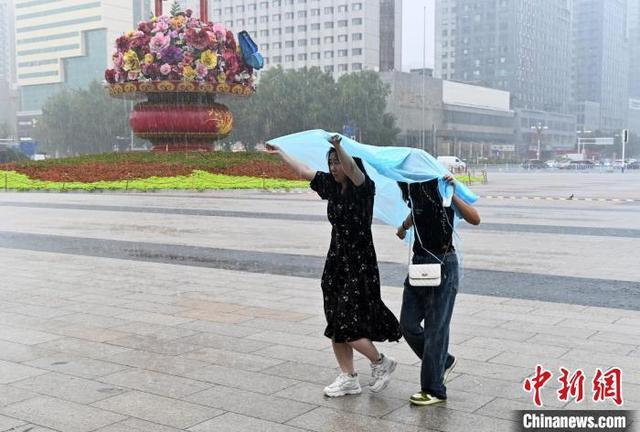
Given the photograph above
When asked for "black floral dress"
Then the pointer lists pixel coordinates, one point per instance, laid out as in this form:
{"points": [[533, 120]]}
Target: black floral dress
{"points": [[350, 280]]}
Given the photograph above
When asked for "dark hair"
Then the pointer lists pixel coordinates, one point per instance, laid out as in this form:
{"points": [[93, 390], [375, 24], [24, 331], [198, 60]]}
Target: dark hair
{"points": [[404, 190], [358, 162]]}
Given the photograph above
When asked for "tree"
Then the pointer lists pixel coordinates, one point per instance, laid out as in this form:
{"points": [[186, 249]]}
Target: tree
{"points": [[5, 129], [291, 101], [82, 121], [363, 100]]}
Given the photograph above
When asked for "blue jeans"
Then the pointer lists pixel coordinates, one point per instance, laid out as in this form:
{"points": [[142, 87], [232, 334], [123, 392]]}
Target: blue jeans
{"points": [[434, 305]]}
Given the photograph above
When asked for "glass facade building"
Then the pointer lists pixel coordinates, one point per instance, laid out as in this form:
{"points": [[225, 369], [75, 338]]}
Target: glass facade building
{"points": [[522, 46], [601, 63]]}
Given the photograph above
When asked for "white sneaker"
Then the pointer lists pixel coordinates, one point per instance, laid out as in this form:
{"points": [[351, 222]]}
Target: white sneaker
{"points": [[344, 384], [448, 370], [381, 373]]}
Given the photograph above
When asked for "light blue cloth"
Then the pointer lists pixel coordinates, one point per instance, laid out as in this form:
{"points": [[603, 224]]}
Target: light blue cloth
{"points": [[384, 165]]}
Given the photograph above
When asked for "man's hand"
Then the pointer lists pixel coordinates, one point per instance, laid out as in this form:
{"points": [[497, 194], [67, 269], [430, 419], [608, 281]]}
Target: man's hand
{"points": [[401, 232]]}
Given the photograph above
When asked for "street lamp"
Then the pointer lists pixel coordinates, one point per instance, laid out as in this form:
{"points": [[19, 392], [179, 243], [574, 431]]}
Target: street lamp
{"points": [[539, 128]]}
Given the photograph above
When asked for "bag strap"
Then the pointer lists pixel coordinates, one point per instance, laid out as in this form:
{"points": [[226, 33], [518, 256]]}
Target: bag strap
{"points": [[415, 228]]}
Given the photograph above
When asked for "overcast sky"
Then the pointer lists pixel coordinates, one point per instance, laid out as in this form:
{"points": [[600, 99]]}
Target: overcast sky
{"points": [[412, 33]]}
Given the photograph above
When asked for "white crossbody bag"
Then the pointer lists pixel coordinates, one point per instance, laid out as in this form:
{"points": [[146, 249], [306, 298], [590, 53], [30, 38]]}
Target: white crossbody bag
{"points": [[427, 275]]}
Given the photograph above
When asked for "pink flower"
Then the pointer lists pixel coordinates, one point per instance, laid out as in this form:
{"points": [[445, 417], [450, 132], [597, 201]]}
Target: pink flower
{"points": [[165, 69], [110, 76], [187, 58], [159, 42], [122, 43], [132, 76], [118, 60], [199, 39], [202, 70], [160, 27]]}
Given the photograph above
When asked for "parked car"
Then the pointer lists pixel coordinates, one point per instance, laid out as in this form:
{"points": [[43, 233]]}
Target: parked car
{"points": [[633, 165], [452, 163], [534, 164], [580, 164], [552, 163]]}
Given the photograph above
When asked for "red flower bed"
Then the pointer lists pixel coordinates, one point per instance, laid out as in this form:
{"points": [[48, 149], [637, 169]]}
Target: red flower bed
{"points": [[92, 172], [260, 169], [97, 171]]}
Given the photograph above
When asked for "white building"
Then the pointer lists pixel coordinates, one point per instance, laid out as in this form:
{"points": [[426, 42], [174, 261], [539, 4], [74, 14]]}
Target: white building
{"points": [[65, 43], [339, 36]]}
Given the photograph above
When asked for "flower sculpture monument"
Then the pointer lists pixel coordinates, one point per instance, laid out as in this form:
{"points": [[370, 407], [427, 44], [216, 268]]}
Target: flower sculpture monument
{"points": [[177, 65]]}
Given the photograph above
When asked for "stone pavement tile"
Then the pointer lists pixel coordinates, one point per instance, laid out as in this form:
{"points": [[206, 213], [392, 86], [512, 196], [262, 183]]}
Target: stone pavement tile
{"points": [[17, 352], [103, 300], [137, 425], [73, 389], [61, 415], [507, 308], [154, 344], [366, 403], [94, 320], [619, 313], [576, 315], [40, 311], [442, 419], [605, 360], [299, 341], [193, 301], [632, 331], [231, 359], [500, 388], [473, 352], [492, 332], [517, 347], [400, 352], [252, 404], [153, 318], [24, 336], [12, 372], [306, 372], [537, 304], [29, 427], [621, 338], [159, 331], [558, 330], [75, 365], [274, 313], [474, 320], [457, 400], [224, 329], [97, 309], [528, 318], [10, 395], [39, 300], [300, 355], [95, 350], [231, 422], [282, 326], [8, 423], [174, 365], [329, 420], [153, 307], [157, 409], [589, 344], [96, 334], [221, 317], [154, 382], [149, 297], [225, 342], [492, 370], [503, 408], [245, 380]]}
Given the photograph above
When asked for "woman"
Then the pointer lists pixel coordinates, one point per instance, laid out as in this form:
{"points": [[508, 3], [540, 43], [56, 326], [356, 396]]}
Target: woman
{"points": [[433, 243], [355, 313]]}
